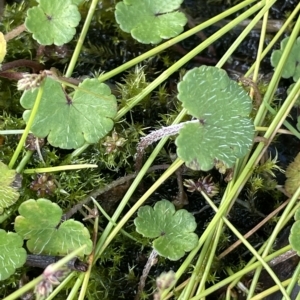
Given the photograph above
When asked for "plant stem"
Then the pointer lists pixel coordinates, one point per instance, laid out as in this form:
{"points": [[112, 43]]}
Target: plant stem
{"points": [[12, 131], [271, 290], [81, 38], [15, 32], [155, 136], [249, 247], [281, 31], [253, 230], [166, 74], [261, 112], [59, 168], [102, 241], [273, 236], [252, 260], [174, 41], [103, 244], [105, 239], [103, 212], [63, 284], [295, 278], [202, 268], [211, 256], [245, 32], [21, 63], [178, 64], [78, 151], [30, 285], [278, 120], [87, 275], [260, 48], [152, 260], [237, 186], [238, 274], [28, 126], [24, 161], [277, 75], [106, 188]]}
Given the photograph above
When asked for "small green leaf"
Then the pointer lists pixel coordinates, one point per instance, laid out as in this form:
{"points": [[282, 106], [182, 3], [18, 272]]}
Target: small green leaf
{"points": [[69, 123], [150, 21], [292, 174], [294, 237], [223, 130], [53, 22], [40, 223], [292, 65], [12, 255], [9, 182], [174, 230]]}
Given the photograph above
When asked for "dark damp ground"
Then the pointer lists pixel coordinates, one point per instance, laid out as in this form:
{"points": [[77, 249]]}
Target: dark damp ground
{"points": [[117, 272]]}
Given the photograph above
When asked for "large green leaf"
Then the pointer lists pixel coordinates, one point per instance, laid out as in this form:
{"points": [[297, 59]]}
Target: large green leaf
{"points": [[150, 21], [9, 183], [40, 223], [12, 255], [173, 230], [53, 22], [223, 130], [70, 122]]}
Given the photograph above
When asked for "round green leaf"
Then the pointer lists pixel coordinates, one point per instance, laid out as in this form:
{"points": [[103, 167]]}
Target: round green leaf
{"points": [[174, 230], [69, 123], [8, 187], [292, 65], [222, 131], [53, 22], [12, 255], [150, 21], [40, 223]]}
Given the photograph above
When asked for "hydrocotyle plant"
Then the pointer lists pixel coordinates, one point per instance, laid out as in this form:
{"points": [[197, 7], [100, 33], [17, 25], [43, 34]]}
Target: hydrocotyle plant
{"points": [[224, 131], [150, 21], [292, 66], [173, 230], [53, 22], [217, 130], [70, 121], [221, 130], [40, 223]]}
